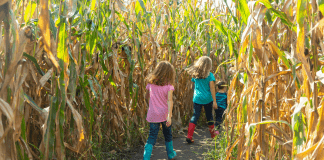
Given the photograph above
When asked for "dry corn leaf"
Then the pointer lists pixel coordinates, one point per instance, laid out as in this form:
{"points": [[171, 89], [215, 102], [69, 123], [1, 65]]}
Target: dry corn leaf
{"points": [[44, 26]]}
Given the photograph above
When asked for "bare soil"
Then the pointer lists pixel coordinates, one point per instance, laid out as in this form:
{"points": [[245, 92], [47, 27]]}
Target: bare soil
{"points": [[185, 151]]}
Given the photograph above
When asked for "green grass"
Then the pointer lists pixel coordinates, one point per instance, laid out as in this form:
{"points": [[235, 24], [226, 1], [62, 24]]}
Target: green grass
{"points": [[219, 148]]}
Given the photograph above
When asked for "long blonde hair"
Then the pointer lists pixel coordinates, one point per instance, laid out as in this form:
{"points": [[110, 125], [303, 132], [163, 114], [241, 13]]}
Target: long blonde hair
{"points": [[201, 68], [163, 74]]}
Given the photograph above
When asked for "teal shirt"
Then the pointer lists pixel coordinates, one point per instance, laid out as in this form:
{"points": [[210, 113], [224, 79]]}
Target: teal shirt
{"points": [[221, 100], [202, 94]]}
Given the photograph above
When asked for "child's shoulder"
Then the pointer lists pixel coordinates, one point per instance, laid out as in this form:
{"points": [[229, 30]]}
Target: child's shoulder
{"points": [[211, 76], [164, 86]]}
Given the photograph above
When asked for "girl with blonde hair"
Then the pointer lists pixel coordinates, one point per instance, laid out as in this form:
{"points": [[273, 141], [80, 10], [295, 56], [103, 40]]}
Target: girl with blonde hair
{"points": [[204, 94], [159, 94]]}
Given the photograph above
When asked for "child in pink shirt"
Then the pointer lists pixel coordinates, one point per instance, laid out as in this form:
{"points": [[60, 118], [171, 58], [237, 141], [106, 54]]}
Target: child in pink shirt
{"points": [[159, 93]]}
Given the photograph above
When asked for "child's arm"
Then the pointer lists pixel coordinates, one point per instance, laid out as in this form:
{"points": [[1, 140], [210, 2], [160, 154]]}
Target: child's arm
{"points": [[212, 90], [170, 107]]}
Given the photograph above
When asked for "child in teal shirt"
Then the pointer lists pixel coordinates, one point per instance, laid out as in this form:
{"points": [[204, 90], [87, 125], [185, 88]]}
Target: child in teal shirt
{"points": [[221, 100], [204, 94]]}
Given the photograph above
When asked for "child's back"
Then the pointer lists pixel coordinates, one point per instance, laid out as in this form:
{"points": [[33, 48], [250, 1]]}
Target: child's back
{"points": [[158, 106], [202, 93], [221, 99]]}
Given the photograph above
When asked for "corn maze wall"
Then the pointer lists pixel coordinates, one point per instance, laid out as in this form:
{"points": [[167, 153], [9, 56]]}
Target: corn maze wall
{"points": [[72, 73]]}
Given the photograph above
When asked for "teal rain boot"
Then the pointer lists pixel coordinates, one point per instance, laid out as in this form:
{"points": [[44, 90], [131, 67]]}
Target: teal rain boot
{"points": [[147, 151], [169, 148]]}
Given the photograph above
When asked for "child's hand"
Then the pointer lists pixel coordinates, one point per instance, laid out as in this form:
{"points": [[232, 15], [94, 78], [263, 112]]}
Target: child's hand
{"points": [[168, 123], [215, 105]]}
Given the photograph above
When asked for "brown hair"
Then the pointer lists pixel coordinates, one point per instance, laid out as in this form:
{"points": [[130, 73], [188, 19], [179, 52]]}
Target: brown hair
{"points": [[201, 68], [163, 74], [221, 85]]}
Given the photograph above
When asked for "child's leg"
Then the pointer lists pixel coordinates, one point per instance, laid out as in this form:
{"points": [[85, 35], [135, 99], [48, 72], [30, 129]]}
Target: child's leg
{"points": [[193, 122], [168, 141], [154, 130], [209, 113], [219, 117], [196, 114], [209, 116]]}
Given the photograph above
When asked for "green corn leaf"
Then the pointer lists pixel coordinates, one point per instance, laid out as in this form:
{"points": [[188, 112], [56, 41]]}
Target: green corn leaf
{"points": [[230, 43], [298, 126], [50, 130], [31, 102], [61, 48], [33, 59], [245, 78], [122, 19], [88, 105], [270, 121], [266, 3], [130, 79], [102, 62], [250, 52], [93, 5], [93, 41], [293, 69], [9, 94], [41, 154], [193, 13], [244, 10], [320, 4], [23, 129], [244, 109], [279, 14], [99, 86], [229, 9], [142, 5], [301, 14], [219, 26], [29, 12], [208, 44], [62, 108], [269, 18], [298, 139], [137, 7], [72, 79], [92, 89], [112, 82], [19, 152], [252, 132], [136, 94], [148, 19], [286, 61], [52, 27]]}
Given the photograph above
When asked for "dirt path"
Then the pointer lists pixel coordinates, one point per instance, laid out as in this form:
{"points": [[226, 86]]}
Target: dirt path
{"points": [[185, 151]]}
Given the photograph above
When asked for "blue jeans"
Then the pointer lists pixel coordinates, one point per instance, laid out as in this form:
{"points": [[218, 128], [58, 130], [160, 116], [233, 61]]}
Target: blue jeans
{"points": [[219, 117], [154, 130], [208, 111]]}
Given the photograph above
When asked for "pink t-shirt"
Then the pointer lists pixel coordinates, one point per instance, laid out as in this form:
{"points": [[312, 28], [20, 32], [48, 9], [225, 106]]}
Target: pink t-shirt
{"points": [[158, 107]]}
